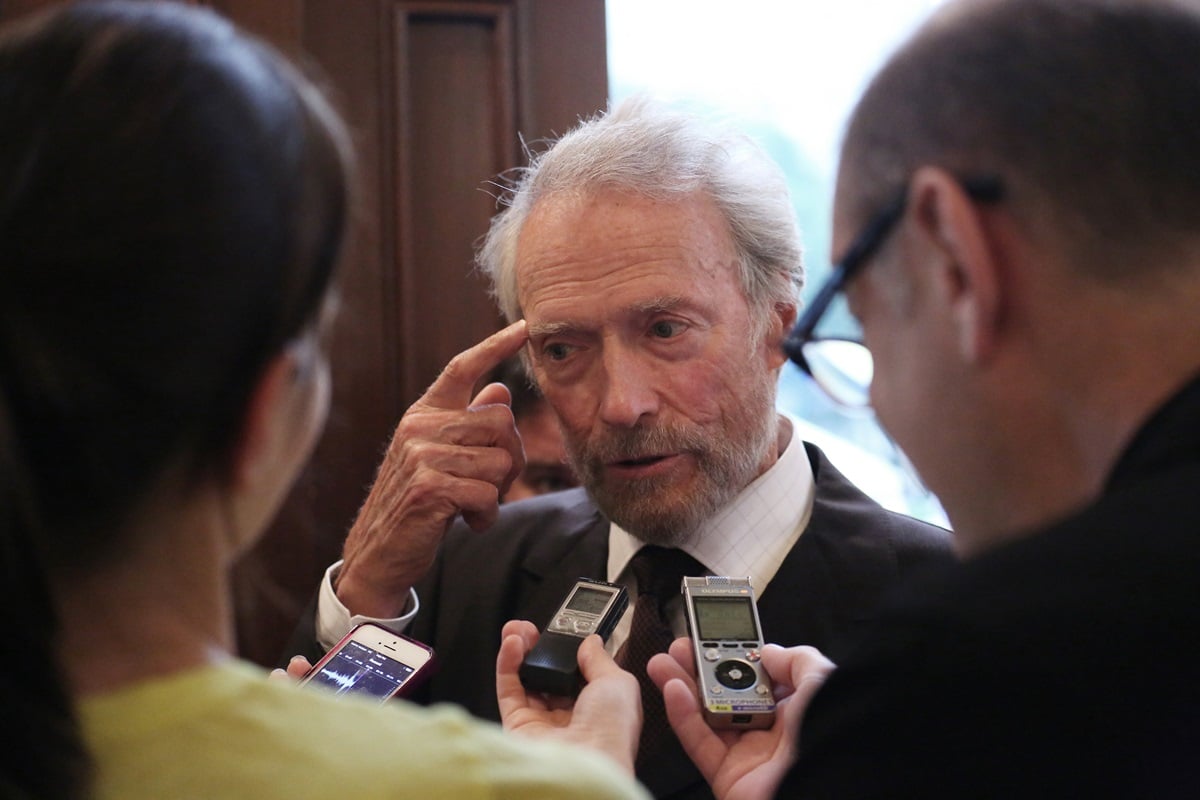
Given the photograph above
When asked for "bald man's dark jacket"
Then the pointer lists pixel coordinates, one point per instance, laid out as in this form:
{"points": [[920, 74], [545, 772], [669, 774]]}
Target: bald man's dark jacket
{"points": [[826, 591], [1063, 664]]}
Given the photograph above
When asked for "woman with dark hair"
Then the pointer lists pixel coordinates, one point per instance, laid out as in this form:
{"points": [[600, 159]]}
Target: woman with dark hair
{"points": [[173, 196]]}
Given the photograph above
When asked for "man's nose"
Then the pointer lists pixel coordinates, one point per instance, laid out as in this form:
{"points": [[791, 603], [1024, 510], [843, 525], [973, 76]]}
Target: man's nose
{"points": [[629, 392]]}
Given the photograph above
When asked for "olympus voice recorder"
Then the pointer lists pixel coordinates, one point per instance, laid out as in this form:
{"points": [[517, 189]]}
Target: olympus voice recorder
{"points": [[727, 641], [591, 607]]}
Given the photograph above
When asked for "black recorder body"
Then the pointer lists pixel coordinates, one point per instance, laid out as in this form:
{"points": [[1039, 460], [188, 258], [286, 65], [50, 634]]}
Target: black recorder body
{"points": [[590, 607], [727, 641]]}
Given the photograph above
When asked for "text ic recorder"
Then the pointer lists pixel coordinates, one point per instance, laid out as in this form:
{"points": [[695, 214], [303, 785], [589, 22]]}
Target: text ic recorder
{"points": [[590, 607]]}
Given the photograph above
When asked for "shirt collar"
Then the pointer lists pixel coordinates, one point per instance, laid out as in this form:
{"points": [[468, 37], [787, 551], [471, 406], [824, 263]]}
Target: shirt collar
{"points": [[754, 533]]}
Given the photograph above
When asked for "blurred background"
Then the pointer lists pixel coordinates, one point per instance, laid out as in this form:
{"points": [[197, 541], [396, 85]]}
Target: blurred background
{"points": [[440, 95]]}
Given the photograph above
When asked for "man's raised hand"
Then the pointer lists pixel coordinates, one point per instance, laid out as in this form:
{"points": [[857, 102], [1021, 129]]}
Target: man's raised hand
{"points": [[451, 453]]}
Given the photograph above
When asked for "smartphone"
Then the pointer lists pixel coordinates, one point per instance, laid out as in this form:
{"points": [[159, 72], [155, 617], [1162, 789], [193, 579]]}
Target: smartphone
{"points": [[373, 661], [727, 641], [589, 607]]}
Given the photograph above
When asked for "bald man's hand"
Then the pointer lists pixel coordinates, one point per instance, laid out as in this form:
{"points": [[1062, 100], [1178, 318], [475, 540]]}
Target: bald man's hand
{"points": [[451, 454]]}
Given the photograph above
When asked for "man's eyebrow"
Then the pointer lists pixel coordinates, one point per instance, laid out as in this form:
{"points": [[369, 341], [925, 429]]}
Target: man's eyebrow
{"points": [[658, 304], [544, 329]]}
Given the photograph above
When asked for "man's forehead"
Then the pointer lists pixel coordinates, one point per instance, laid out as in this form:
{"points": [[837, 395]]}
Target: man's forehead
{"points": [[590, 315], [649, 252]]}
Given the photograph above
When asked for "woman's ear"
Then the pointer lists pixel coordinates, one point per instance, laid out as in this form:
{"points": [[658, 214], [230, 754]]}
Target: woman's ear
{"points": [[281, 421], [969, 276], [263, 422]]}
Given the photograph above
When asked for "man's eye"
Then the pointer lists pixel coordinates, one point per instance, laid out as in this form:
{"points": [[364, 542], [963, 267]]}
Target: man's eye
{"points": [[556, 352], [664, 329]]}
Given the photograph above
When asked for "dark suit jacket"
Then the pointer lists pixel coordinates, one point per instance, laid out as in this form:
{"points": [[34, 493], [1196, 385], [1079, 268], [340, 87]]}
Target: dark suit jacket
{"points": [[825, 592], [1061, 665]]}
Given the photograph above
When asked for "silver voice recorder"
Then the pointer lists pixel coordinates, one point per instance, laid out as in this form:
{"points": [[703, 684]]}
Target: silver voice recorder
{"points": [[727, 641]]}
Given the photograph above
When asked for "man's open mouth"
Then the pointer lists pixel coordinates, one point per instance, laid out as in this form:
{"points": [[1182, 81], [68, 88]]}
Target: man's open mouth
{"points": [[640, 461]]}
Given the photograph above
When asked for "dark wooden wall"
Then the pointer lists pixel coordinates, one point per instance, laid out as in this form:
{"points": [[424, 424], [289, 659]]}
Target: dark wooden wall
{"points": [[438, 93]]}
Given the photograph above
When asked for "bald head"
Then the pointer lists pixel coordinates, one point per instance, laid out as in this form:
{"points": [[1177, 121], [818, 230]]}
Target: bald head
{"points": [[1088, 111]]}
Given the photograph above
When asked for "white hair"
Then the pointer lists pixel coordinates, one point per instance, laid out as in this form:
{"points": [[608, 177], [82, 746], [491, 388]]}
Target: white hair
{"points": [[646, 148]]}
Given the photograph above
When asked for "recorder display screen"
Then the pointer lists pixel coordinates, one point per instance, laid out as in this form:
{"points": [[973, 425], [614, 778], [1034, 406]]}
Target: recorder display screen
{"points": [[358, 669], [725, 618], [589, 601]]}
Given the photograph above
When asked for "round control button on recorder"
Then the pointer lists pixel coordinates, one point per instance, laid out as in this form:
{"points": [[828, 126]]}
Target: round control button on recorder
{"points": [[735, 674]]}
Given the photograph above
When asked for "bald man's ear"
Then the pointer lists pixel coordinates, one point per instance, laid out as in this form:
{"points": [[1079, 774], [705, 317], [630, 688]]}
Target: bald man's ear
{"points": [[969, 272]]}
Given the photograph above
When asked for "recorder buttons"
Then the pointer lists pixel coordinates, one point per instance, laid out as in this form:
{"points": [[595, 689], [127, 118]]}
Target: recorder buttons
{"points": [[736, 674], [568, 624], [711, 655]]}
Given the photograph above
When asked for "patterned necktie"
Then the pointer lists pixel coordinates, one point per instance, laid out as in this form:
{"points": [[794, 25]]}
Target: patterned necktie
{"points": [[659, 572]]}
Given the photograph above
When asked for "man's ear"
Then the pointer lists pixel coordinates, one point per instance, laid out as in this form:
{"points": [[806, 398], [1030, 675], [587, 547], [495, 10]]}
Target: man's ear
{"points": [[779, 324], [256, 446], [970, 272]]}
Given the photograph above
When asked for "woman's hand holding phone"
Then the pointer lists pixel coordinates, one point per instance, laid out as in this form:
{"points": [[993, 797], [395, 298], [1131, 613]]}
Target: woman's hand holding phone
{"points": [[297, 668]]}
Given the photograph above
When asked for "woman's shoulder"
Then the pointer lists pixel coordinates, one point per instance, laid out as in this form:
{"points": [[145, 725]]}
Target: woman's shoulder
{"points": [[228, 731]]}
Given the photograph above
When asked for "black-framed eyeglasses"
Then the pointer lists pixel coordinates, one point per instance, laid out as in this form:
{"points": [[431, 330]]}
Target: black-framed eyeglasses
{"points": [[843, 368]]}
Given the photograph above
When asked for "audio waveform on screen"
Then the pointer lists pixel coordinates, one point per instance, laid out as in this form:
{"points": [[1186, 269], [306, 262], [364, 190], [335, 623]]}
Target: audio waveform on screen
{"points": [[344, 681]]}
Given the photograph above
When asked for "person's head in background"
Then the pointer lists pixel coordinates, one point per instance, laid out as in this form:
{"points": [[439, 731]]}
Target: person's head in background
{"points": [[546, 466], [172, 202], [656, 258], [1020, 340]]}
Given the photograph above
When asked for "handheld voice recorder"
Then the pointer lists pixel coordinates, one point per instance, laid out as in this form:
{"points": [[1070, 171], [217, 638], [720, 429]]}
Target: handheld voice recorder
{"points": [[727, 641], [590, 607]]}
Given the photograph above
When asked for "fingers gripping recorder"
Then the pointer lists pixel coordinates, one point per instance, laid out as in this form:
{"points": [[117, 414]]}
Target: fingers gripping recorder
{"points": [[727, 640], [590, 607]]}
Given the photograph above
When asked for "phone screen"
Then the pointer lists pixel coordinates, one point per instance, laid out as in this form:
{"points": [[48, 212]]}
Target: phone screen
{"points": [[358, 669]]}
